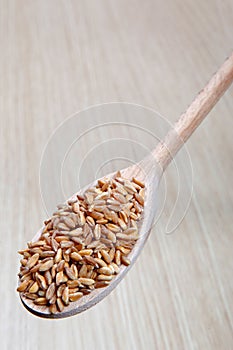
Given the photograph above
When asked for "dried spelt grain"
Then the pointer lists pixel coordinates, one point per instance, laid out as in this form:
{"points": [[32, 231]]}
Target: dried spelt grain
{"points": [[76, 256], [86, 281], [50, 291], [105, 271], [46, 266], [75, 296], [32, 260], [104, 277], [23, 286]]}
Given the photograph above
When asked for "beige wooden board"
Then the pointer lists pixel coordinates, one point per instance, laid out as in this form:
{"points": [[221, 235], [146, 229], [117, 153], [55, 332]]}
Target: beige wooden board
{"points": [[58, 57]]}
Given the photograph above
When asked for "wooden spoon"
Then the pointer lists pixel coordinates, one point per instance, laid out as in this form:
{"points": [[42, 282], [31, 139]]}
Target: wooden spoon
{"points": [[149, 170]]}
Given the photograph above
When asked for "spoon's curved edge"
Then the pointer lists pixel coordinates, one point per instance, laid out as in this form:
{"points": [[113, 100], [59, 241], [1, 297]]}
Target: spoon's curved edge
{"points": [[97, 295]]}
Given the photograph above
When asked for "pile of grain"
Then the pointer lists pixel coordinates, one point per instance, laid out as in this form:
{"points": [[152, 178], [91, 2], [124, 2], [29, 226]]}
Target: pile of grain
{"points": [[83, 244]]}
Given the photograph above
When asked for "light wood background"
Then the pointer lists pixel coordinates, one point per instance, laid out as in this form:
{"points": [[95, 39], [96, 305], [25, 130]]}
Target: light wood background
{"points": [[58, 57]]}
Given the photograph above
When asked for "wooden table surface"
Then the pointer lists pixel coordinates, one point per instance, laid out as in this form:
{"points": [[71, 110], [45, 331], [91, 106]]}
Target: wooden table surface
{"points": [[60, 57]]}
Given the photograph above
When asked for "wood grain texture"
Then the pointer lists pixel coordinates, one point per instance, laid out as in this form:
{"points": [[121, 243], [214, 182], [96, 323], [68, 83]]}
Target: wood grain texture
{"points": [[195, 114], [58, 57]]}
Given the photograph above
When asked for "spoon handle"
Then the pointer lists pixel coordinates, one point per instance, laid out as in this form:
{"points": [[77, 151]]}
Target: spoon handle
{"points": [[194, 115]]}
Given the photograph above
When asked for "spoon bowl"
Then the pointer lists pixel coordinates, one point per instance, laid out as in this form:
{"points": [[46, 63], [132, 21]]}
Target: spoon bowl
{"points": [[148, 172]]}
